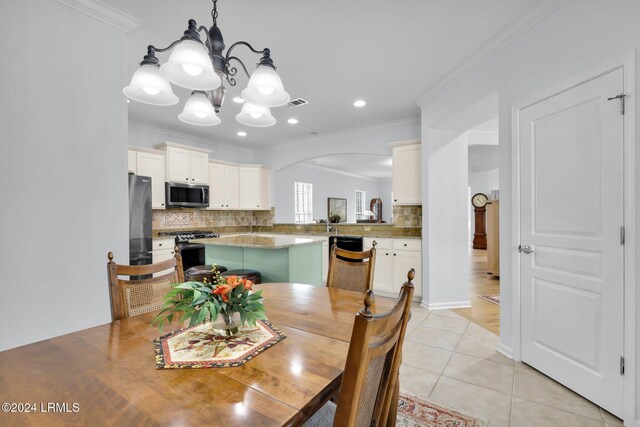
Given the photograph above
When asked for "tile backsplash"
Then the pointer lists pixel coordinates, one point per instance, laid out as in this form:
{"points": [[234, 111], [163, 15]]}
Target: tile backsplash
{"points": [[199, 218], [407, 216]]}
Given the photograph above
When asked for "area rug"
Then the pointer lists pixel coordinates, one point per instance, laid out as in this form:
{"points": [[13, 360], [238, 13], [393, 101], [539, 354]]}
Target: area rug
{"points": [[418, 412], [201, 346], [494, 298]]}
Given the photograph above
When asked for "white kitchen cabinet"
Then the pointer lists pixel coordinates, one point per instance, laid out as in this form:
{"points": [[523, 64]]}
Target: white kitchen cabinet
{"points": [[199, 167], [186, 164], [407, 170], [394, 258], [131, 161], [223, 186], [162, 250], [255, 187], [151, 163]]}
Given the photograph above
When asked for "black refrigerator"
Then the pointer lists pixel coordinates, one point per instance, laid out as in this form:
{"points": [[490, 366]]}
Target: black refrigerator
{"points": [[139, 220]]}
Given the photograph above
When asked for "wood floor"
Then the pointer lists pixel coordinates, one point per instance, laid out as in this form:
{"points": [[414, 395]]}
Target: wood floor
{"points": [[484, 313]]}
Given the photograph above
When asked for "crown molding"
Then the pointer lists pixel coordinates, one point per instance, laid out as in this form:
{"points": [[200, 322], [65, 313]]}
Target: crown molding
{"points": [[172, 133], [341, 135], [490, 48], [340, 172], [104, 13]]}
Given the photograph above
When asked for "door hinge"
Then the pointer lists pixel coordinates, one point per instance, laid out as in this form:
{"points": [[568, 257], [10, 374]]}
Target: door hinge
{"points": [[621, 365], [621, 97], [622, 235]]}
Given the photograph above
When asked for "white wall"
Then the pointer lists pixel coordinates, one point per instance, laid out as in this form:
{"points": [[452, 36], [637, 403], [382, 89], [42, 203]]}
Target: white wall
{"points": [[444, 218], [325, 184], [577, 37], [148, 137], [63, 169]]}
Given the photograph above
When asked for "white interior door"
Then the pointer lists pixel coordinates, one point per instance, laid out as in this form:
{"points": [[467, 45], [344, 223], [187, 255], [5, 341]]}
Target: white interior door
{"points": [[571, 160]]}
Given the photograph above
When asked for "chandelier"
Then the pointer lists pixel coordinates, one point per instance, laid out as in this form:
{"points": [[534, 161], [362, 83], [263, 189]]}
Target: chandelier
{"points": [[202, 67]]}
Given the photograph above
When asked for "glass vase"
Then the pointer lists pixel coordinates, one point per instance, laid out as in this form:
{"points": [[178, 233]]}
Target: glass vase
{"points": [[227, 323]]}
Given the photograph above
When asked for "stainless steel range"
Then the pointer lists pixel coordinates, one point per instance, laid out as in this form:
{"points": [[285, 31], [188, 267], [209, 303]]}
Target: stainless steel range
{"points": [[192, 253]]}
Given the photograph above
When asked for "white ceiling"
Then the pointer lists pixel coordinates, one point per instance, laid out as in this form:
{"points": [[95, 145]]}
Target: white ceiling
{"points": [[329, 52], [366, 165]]}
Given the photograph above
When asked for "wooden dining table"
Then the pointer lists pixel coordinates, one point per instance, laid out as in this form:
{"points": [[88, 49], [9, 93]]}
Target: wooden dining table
{"points": [[106, 375]]}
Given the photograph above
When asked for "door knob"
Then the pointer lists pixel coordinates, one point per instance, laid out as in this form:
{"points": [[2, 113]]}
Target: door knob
{"points": [[526, 249]]}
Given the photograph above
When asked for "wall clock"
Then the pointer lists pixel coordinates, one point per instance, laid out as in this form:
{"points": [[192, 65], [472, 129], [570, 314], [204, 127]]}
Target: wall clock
{"points": [[479, 201]]}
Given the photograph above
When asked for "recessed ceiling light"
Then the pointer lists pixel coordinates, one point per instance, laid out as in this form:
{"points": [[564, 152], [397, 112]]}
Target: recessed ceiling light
{"points": [[128, 101], [359, 103], [238, 100], [292, 121], [241, 133]]}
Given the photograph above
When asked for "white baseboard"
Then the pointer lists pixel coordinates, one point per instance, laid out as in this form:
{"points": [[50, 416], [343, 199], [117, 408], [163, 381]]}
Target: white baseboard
{"points": [[506, 351], [446, 305]]}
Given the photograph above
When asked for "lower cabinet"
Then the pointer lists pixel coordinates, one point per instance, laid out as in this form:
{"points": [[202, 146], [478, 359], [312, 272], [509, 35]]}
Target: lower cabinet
{"points": [[394, 258], [163, 249]]}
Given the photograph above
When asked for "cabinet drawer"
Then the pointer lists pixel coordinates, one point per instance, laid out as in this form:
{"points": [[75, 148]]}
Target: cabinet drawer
{"points": [[381, 243], [408, 244], [159, 244]]}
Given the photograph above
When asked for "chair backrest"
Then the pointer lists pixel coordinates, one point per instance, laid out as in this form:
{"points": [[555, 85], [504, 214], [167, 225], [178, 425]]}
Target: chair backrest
{"points": [[371, 370], [354, 272], [134, 295]]}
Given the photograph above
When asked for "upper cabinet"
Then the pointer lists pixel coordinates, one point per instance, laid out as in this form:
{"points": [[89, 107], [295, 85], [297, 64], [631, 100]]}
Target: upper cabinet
{"points": [[224, 184], [186, 164], [407, 173], [255, 187], [150, 163]]}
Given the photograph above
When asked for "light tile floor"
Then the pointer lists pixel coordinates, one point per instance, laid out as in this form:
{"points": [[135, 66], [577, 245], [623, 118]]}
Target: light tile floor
{"points": [[453, 361]]}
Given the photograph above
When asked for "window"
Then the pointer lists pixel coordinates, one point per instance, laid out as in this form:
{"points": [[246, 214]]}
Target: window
{"points": [[304, 202], [360, 209]]}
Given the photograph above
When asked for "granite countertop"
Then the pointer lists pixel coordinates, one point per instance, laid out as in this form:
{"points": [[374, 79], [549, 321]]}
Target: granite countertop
{"points": [[257, 241]]}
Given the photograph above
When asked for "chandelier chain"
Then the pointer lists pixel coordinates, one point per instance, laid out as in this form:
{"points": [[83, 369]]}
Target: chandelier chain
{"points": [[214, 11]]}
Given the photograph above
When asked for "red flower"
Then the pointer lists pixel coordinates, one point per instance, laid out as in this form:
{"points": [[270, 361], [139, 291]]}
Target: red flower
{"points": [[233, 281], [223, 291], [247, 284]]}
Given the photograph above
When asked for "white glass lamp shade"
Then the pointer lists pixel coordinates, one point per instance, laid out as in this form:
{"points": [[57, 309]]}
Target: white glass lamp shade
{"points": [[149, 87], [190, 66], [255, 116], [199, 111], [265, 88]]}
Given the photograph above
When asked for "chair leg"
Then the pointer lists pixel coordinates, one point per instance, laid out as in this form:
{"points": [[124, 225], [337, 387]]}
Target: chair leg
{"points": [[393, 407]]}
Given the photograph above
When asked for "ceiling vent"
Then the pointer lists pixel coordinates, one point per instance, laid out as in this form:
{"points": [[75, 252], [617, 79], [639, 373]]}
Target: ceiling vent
{"points": [[298, 102]]}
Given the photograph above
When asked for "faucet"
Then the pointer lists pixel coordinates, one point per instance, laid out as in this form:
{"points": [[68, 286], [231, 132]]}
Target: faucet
{"points": [[330, 228]]}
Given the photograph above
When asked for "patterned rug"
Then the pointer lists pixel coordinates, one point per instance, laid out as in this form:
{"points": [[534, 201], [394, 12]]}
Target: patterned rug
{"points": [[494, 298], [417, 412]]}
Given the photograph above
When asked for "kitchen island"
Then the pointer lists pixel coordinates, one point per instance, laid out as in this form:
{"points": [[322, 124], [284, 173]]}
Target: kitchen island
{"points": [[278, 258]]}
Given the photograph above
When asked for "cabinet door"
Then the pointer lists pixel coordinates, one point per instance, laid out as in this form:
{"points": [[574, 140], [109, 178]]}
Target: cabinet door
{"points": [[407, 175], [159, 256], [131, 160], [250, 187], [217, 186], [199, 169], [402, 262], [178, 164], [153, 165], [232, 186], [383, 281], [264, 202]]}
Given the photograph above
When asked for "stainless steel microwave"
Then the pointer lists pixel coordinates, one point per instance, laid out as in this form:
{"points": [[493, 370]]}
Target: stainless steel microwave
{"points": [[180, 195]]}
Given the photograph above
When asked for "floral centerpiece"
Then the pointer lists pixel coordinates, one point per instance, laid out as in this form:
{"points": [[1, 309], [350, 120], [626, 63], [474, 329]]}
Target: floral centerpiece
{"points": [[228, 298]]}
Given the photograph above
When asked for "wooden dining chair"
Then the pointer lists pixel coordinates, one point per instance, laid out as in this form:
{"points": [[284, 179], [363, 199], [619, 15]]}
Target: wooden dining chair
{"points": [[351, 270], [133, 296], [370, 386]]}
